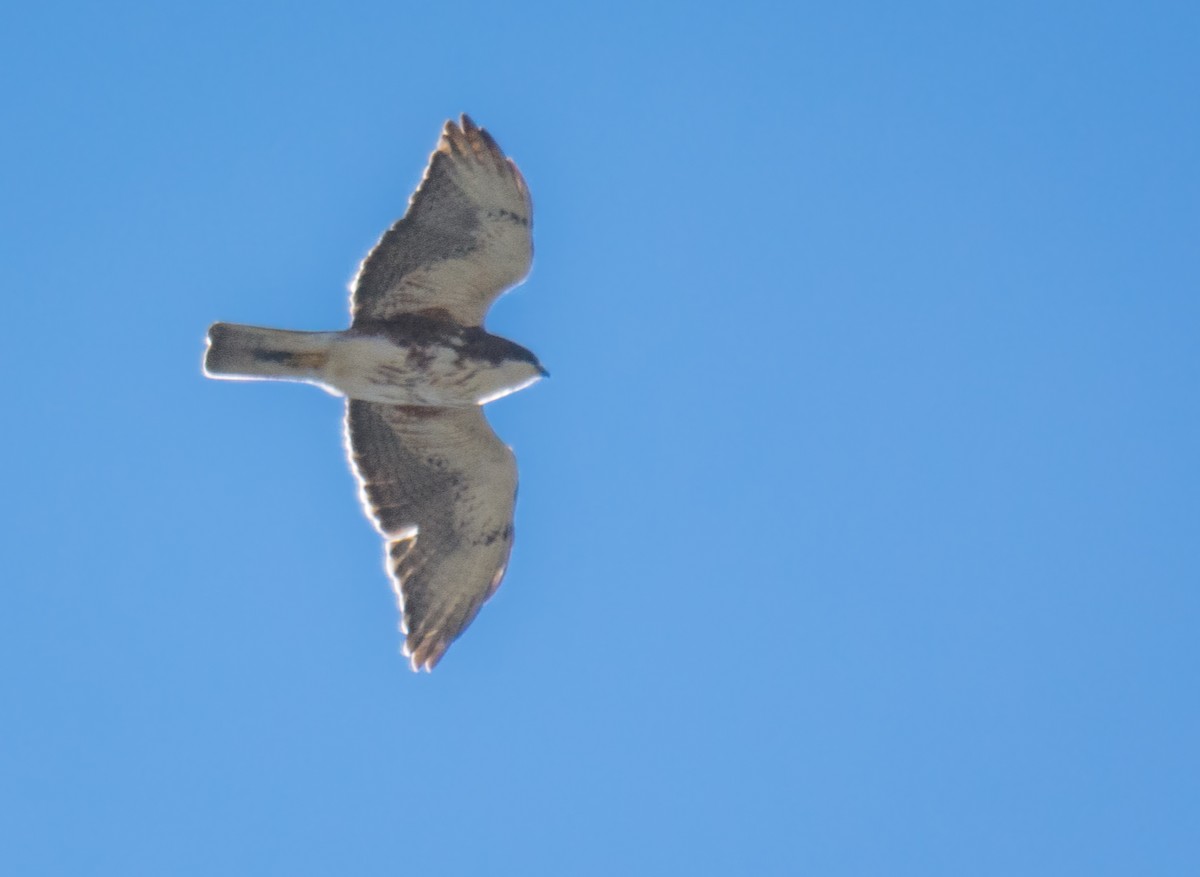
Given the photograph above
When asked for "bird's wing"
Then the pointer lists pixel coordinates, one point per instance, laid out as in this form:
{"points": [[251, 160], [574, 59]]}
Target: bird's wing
{"points": [[440, 486], [465, 238]]}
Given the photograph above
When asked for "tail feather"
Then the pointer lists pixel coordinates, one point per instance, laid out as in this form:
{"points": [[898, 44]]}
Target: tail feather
{"points": [[236, 351]]}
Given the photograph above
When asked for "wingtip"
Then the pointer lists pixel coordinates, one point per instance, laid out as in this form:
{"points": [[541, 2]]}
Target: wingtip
{"points": [[423, 658], [466, 139], [417, 666]]}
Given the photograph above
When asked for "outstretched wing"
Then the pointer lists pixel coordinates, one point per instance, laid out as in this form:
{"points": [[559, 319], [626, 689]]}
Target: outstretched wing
{"points": [[440, 487], [465, 238]]}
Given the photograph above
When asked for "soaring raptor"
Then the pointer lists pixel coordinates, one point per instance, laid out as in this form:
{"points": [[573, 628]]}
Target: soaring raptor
{"points": [[415, 366]]}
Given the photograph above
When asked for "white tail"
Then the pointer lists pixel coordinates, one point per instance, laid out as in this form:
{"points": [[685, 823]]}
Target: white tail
{"points": [[251, 352]]}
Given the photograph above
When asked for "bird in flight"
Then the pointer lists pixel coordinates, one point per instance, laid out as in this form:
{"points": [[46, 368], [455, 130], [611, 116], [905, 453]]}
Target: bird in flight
{"points": [[415, 366]]}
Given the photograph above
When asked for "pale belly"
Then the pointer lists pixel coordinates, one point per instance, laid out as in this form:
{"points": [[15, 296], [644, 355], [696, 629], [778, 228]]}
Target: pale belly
{"points": [[375, 369]]}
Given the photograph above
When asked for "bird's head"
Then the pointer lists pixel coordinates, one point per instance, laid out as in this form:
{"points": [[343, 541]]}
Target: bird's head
{"points": [[510, 368]]}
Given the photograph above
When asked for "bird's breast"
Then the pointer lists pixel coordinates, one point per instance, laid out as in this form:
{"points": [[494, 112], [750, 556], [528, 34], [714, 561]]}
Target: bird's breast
{"points": [[444, 373]]}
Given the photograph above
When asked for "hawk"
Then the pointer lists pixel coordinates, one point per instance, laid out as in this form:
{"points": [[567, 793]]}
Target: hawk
{"points": [[415, 366]]}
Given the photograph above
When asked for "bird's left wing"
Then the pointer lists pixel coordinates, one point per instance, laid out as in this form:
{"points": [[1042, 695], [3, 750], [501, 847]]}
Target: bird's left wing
{"points": [[465, 238], [440, 486]]}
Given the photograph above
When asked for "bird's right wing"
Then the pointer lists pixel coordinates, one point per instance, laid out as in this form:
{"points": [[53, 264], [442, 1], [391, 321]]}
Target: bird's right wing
{"points": [[440, 486], [465, 239]]}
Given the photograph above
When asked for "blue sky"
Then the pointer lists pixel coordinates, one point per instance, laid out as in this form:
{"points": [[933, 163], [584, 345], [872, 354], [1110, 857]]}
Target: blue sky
{"points": [[858, 523]]}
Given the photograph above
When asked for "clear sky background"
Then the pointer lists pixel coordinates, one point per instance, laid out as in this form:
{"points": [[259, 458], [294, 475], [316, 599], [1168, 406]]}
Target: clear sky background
{"points": [[858, 522]]}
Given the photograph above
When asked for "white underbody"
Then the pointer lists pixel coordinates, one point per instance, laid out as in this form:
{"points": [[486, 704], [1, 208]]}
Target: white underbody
{"points": [[375, 369]]}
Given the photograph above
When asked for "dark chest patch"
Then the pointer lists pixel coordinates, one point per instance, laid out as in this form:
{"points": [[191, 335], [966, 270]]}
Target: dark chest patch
{"points": [[425, 333]]}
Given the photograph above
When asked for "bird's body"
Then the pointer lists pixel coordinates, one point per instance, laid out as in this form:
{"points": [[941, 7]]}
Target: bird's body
{"points": [[415, 365], [414, 361]]}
